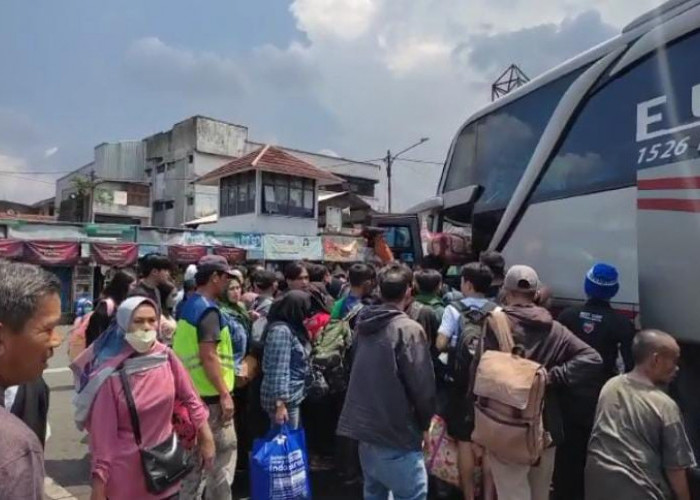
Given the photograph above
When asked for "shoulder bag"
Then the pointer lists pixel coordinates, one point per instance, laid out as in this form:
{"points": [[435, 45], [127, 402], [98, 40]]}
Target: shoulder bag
{"points": [[165, 464]]}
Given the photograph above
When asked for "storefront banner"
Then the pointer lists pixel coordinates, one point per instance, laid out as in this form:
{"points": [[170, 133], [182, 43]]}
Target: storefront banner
{"points": [[343, 249], [11, 249], [115, 254], [232, 254], [184, 254], [52, 253], [281, 247], [251, 242]]}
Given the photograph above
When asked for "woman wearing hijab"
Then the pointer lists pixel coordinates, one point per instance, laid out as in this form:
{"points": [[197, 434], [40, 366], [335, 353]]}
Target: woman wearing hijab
{"points": [[286, 358], [157, 380]]}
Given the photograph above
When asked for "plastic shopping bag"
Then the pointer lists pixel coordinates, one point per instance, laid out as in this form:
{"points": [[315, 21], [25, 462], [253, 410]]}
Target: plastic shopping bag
{"points": [[280, 466]]}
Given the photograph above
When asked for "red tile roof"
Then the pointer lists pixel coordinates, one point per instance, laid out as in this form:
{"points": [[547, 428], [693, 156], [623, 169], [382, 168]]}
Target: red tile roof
{"points": [[271, 159]]}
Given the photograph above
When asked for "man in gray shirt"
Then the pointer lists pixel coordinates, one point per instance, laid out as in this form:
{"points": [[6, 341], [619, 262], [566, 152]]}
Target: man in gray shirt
{"points": [[30, 311], [639, 448]]}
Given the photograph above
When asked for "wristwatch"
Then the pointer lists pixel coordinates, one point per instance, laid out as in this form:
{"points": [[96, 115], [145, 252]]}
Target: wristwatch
{"points": [[279, 404]]}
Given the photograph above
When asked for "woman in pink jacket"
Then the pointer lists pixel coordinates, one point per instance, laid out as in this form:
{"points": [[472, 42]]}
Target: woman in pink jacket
{"points": [[157, 380]]}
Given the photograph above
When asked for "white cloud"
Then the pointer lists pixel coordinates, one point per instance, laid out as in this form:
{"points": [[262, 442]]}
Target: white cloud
{"points": [[372, 75], [340, 19], [50, 152], [170, 68]]}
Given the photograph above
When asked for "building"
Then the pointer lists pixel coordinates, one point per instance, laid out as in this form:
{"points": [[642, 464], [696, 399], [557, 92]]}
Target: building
{"points": [[268, 191], [199, 145], [110, 189], [166, 165]]}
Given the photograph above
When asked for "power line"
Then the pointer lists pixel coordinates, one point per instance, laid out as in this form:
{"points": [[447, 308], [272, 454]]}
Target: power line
{"points": [[57, 172], [427, 162]]}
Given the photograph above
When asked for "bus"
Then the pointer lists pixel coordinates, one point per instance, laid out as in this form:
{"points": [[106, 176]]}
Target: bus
{"points": [[597, 160]]}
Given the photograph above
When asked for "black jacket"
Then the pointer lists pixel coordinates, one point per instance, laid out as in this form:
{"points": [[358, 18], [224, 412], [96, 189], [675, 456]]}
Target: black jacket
{"points": [[572, 366], [31, 406], [391, 396], [604, 329]]}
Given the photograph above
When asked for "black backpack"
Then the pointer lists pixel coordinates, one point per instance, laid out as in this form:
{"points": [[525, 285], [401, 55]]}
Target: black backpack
{"points": [[471, 329]]}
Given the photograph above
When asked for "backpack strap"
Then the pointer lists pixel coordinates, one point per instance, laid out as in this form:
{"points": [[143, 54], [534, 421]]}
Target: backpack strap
{"points": [[498, 322]]}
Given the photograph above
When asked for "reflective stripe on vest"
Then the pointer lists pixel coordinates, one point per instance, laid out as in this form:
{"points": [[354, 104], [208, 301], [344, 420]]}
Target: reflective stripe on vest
{"points": [[186, 346]]}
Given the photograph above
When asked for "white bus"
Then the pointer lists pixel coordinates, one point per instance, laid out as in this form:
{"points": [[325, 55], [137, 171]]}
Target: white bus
{"points": [[596, 160]]}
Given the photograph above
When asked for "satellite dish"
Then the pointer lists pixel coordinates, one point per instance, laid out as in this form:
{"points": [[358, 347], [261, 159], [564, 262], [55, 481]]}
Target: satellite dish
{"points": [[11, 212]]}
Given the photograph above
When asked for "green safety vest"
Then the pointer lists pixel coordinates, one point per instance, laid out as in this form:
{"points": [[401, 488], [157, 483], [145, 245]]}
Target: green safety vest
{"points": [[186, 346]]}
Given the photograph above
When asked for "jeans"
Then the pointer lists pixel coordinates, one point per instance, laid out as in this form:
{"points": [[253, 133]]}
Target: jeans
{"points": [[387, 470], [523, 482], [218, 482]]}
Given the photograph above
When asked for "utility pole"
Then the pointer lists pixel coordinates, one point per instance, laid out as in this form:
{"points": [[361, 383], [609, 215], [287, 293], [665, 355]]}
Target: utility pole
{"points": [[389, 162], [91, 219]]}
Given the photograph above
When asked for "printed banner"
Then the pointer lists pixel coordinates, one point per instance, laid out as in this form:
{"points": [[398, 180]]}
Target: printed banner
{"points": [[115, 254], [343, 249], [52, 253], [184, 254], [281, 247], [11, 249], [252, 243], [233, 255]]}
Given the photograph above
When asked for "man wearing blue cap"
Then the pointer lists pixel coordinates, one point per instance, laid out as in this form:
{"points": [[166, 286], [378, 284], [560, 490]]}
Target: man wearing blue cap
{"points": [[610, 333]]}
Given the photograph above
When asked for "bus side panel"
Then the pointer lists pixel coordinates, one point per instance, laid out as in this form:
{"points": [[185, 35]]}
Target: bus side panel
{"points": [[668, 221], [562, 239]]}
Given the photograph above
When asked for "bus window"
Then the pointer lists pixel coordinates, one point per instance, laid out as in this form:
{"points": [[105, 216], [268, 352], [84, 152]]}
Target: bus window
{"points": [[600, 152], [494, 151]]}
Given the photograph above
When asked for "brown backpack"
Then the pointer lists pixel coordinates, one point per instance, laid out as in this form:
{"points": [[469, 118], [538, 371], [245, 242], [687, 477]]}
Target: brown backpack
{"points": [[509, 399]]}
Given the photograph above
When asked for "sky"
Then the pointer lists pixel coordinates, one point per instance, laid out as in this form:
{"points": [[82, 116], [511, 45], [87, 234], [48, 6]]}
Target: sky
{"points": [[352, 77]]}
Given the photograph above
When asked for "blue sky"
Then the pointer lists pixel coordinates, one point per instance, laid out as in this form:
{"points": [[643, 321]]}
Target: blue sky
{"points": [[351, 76]]}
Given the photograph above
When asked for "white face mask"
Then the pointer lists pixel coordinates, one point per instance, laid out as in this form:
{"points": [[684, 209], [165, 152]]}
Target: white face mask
{"points": [[141, 340]]}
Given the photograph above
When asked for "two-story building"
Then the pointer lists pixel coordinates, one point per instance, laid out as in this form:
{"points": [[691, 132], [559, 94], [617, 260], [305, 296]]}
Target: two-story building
{"points": [[268, 191], [198, 145]]}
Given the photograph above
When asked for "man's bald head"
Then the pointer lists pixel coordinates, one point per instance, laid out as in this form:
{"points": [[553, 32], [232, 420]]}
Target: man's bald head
{"points": [[648, 342], [656, 354]]}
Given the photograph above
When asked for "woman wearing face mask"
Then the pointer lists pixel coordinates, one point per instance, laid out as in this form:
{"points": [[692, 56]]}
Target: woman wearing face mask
{"points": [[286, 358], [157, 379]]}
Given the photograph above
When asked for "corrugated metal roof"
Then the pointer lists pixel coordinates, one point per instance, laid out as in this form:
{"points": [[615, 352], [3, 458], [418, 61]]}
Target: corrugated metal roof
{"points": [[271, 159]]}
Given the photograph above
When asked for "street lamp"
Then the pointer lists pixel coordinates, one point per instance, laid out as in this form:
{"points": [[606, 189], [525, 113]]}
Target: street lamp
{"points": [[390, 160]]}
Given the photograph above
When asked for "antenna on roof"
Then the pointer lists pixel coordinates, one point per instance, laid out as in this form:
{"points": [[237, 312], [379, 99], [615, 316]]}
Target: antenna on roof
{"points": [[511, 79]]}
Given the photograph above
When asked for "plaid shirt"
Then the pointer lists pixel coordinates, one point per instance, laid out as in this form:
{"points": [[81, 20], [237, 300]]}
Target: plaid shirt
{"points": [[285, 368]]}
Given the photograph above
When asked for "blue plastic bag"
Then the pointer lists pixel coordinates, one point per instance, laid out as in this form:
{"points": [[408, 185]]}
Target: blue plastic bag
{"points": [[280, 466]]}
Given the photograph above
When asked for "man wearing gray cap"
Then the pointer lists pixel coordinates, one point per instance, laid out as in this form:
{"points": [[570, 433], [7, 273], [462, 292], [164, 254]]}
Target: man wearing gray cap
{"points": [[571, 364]]}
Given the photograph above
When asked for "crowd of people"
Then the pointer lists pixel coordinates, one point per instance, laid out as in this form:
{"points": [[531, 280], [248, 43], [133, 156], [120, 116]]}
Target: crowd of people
{"points": [[364, 360]]}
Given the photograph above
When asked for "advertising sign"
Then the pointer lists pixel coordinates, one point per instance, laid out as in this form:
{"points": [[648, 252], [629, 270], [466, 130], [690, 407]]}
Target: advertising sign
{"points": [[183, 254], [232, 254], [251, 242], [52, 253], [282, 247], [115, 254], [11, 249]]}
